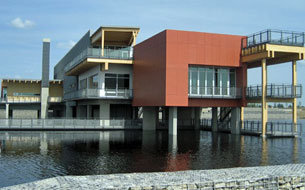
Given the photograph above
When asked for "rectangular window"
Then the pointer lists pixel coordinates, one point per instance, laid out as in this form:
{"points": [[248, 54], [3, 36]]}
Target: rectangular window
{"points": [[211, 81], [83, 84], [116, 81], [93, 82]]}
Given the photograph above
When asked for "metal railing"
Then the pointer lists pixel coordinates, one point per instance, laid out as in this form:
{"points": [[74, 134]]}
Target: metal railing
{"points": [[124, 53], [283, 128], [68, 124], [270, 36], [22, 99], [214, 92], [252, 127], [275, 91], [99, 93]]}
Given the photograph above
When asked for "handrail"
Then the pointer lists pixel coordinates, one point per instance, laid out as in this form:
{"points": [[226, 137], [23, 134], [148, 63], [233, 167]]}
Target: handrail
{"points": [[272, 36], [214, 92], [124, 53], [99, 93], [275, 91]]}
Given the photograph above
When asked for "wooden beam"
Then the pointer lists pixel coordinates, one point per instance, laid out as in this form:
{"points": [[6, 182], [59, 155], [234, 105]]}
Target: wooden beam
{"points": [[255, 57]]}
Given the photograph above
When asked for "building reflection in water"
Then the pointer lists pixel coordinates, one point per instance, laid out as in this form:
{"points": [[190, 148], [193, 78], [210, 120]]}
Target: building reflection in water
{"points": [[264, 159]]}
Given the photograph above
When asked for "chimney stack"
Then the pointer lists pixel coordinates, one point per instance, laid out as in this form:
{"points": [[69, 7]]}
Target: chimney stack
{"points": [[44, 96]]}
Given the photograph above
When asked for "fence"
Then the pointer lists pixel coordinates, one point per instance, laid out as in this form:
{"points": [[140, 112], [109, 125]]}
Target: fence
{"points": [[68, 124]]}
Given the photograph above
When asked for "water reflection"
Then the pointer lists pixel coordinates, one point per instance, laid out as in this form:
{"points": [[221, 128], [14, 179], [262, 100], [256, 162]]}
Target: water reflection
{"points": [[29, 156]]}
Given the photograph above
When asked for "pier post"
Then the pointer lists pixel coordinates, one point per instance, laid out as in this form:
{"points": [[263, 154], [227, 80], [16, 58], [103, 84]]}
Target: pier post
{"points": [[197, 117], [264, 101], [242, 117], [214, 119], [235, 121], [7, 111], [172, 123], [294, 106], [150, 118]]}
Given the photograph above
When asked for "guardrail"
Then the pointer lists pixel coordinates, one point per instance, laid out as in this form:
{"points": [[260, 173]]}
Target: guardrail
{"points": [[271, 36], [275, 91], [99, 93], [214, 92], [125, 54], [67, 124]]}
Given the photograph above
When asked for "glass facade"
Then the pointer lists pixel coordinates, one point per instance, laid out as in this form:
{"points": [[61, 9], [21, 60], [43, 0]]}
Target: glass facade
{"points": [[212, 81], [116, 81]]}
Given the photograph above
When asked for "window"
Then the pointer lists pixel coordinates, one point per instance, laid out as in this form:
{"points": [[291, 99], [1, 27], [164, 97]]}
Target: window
{"points": [[83, 84], [116, 81], [211, 81], [93, 82]]}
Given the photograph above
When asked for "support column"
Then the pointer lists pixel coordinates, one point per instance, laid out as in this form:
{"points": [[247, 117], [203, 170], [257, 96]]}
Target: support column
{"points": [[197, 117], [264, 102], [89, 112], [294, 106], [214, 119], [242, 117], [105, 113], [102, 42], [7, 111], [172, 123], [44, 102], [235, 121], [69, 112], [150, 115]]}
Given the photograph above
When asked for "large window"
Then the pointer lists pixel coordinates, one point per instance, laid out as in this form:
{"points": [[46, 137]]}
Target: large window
{"points": [[93, 82], [211, 81], [83, 84], [116, 81]]}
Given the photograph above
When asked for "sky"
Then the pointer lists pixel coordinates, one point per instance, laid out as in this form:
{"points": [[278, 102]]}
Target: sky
{"points": [[23, 25]]}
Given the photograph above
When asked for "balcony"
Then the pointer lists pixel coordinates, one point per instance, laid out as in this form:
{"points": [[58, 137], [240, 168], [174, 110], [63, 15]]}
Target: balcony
{"points": [[278, 37], [275, 91], [121, 54], [99, 94], [30, 99], [215, 92]]}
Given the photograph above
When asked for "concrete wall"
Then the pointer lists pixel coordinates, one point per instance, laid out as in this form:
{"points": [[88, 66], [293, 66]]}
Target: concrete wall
{"points": [[22, 87], [113, 68]]}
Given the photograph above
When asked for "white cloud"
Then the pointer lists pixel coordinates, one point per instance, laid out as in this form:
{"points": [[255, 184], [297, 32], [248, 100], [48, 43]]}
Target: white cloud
{"points": [[66, 45], [19, 23]]}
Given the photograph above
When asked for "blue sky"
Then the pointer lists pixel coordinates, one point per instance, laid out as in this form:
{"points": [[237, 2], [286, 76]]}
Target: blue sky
{"points": [[23, 25]]}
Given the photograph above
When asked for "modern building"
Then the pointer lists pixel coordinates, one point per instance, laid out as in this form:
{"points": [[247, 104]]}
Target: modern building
{"points": [[171, 76]]}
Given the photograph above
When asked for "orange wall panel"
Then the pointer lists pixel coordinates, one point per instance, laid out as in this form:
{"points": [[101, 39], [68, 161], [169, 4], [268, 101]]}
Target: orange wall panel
{"points": [[149, 72]]}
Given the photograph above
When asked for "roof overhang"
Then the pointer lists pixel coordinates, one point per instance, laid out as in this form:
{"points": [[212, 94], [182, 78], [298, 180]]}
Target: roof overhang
{"points": [[120, 36]]}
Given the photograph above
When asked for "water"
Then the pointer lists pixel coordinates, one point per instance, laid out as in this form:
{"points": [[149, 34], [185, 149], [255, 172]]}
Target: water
{"points": [[31, 156]]}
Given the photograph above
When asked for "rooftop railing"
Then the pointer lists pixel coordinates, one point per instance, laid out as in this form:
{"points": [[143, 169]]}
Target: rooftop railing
{"points": [[124, 53], [275, 91], [99, 94], [279, 37], [214, 92], [32, 99]]}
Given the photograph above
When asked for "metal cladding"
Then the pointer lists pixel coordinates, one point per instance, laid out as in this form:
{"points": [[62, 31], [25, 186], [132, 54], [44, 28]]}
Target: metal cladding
{"points": [[45, 62]]}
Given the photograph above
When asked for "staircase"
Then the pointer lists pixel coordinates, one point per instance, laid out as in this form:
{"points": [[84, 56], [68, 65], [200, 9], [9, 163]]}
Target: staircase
{"points": [[224, 119]]}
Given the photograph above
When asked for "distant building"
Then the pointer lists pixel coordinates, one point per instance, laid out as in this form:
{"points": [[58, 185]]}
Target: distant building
{"points": [[167, 78]]}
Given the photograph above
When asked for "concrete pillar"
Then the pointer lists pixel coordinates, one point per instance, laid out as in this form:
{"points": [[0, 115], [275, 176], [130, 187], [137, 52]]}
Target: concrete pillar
{"points": [[7, 111], [294, 106], [43, 144], [242, 117], [105, 113], [197, 117], [172, 123], [69, 111], [150, 115], [89, 112], [149, 140], [173, 145], [214, 119], [44, 102], [104, 142], [235, 121], [264, 101]]}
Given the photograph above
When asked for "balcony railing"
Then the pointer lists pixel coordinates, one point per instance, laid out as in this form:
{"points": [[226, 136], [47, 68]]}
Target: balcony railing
{"points": [[214, 92], [279, 37], [99, 94], [22, 99], [125, 54], [275, 91]]}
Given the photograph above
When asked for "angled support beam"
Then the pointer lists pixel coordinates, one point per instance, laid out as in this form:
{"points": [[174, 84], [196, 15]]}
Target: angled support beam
{"points": [[294, 83], [102, 42]]}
